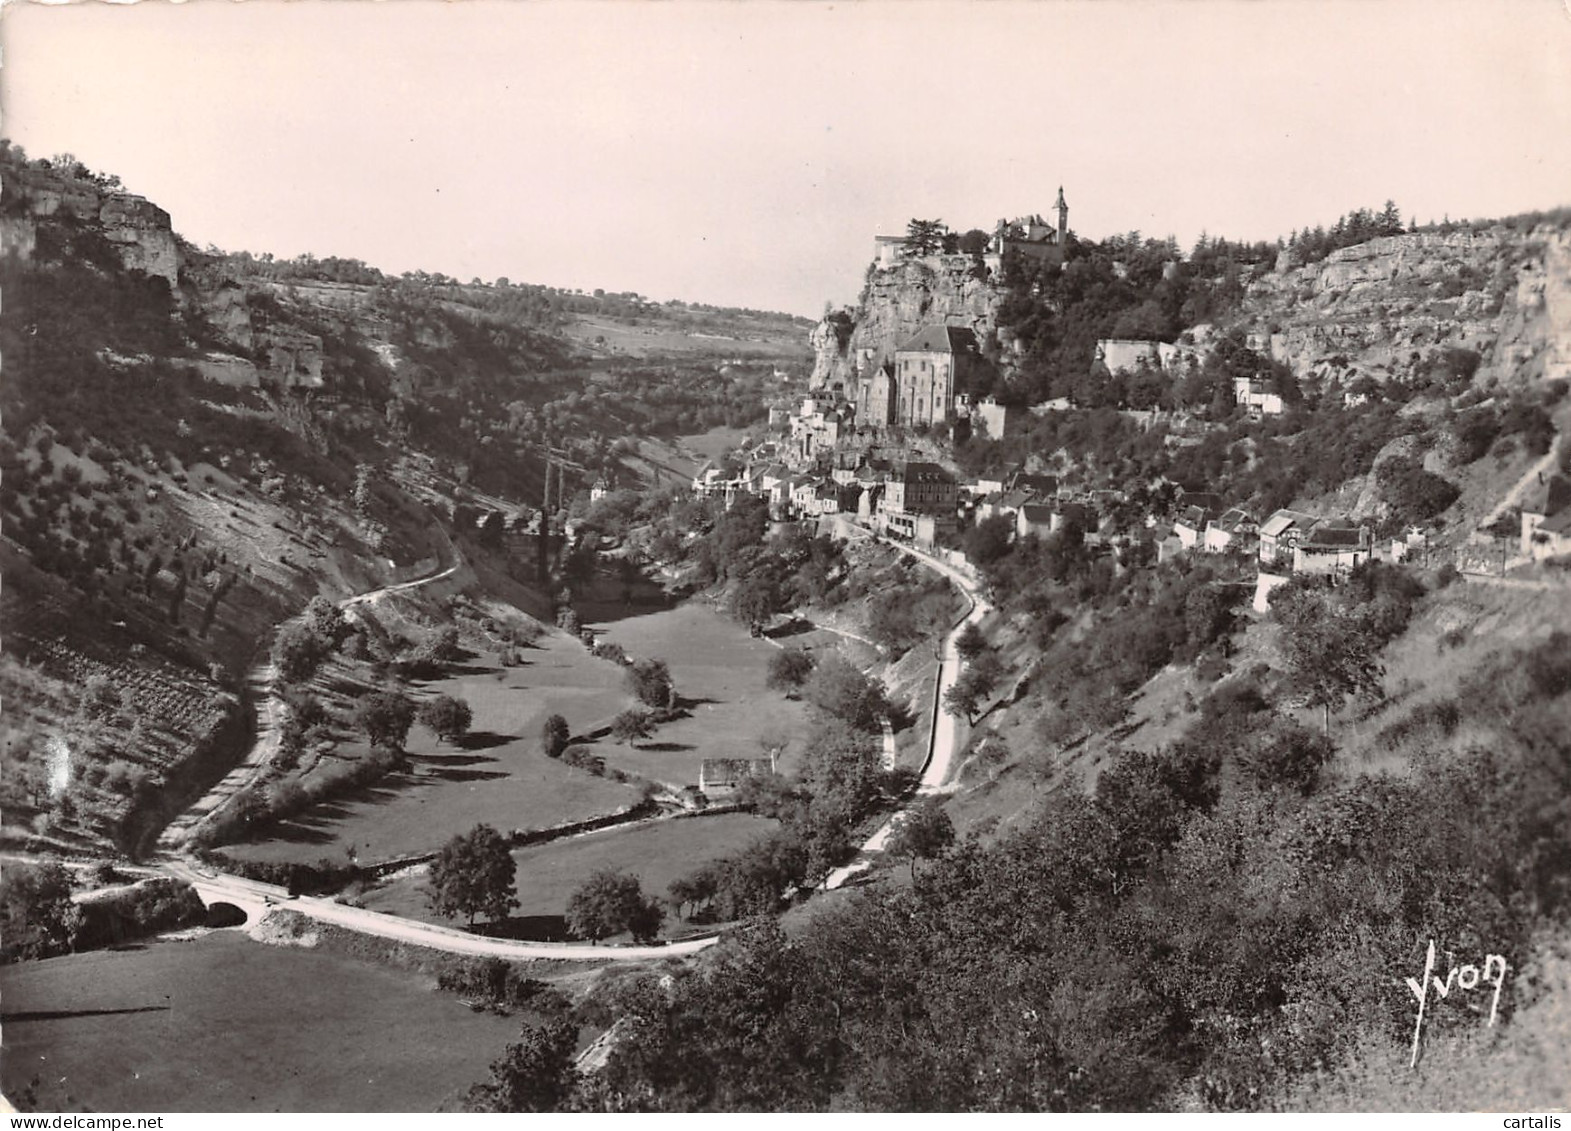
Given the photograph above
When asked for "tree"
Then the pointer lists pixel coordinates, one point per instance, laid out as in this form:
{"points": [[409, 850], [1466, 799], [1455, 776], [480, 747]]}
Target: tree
{"points": [[386, 717], [440, 647], [1287, 755], [923, 237], [473, 875], [446, 716], [1330, 648], [632, 725], [839, 689], [970, 643], [554, 736], [756, 600], [925, 832], [296, 652], [36, 911], [535, 1074], [988, 541], [651, 682], [611, 902], [961, 698], [789, 669]]}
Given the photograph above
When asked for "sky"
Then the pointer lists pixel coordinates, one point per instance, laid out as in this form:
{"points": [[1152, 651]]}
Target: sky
{"points": [[747, 153]]}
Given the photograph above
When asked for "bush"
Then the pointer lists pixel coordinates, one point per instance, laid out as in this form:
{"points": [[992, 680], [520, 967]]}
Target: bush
{"points": [[493, 980], [554, 736], [631, 725], [1287, 756], [650, 681], [580, 757], [789, 669]]}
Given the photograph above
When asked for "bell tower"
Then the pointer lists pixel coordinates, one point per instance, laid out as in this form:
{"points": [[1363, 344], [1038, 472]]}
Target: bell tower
{"points": [[1063, 217]]}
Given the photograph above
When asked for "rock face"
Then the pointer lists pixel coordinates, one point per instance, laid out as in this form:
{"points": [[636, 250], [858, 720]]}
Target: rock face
{"points": [[897, 302], [1382, 308], [294, 358], [142, 233], [139, 229]]}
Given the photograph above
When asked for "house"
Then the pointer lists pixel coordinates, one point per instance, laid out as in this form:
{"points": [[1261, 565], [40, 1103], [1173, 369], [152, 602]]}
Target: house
{"points": [[1253, 395], [1036, 518], [930, 369], [1236, 531], [1190, 527], [1280, 533], [1043, 486], [1004, 504], [1124, 355], [1544, 520], [876, 398], [1332, 546], [916, 487], [989, 416], [719, 777], [1552, 539]]}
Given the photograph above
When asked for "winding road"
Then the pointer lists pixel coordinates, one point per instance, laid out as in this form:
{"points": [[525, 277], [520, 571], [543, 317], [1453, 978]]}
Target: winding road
{"points": [[262, 682], [941, 747], [258, 899]]}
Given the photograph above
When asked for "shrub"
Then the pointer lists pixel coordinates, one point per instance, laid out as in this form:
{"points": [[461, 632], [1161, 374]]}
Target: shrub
{"points": [[650, 681], [631, 725], [554, 736]]}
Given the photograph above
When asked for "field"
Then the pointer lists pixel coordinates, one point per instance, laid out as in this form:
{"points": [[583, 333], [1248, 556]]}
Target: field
{"points": [[226, 1024], [498, 776], [549, 874], [720, 670], [644, 341]]}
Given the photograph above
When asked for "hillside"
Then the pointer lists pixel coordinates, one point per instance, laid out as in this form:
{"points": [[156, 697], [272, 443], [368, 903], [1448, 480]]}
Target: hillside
{"points": [[196, 443]]}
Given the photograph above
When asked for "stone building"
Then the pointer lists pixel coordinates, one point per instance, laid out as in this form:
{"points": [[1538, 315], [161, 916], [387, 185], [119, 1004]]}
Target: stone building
{"points": [[930, 369]]}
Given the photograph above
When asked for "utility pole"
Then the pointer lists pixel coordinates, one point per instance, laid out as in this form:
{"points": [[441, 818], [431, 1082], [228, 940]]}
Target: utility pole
{"points": [[542, 541]]}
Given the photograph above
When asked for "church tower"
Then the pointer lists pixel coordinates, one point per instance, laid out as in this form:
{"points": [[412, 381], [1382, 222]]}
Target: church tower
{"points": [[1063, 218]]}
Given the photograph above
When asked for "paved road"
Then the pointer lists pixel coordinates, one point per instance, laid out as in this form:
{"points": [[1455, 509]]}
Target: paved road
{"points": [[941, 749], [257, 899]]}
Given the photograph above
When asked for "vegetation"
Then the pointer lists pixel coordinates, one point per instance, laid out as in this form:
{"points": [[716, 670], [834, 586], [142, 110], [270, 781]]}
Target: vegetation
{"points": [[446, 716], [650, 681], [1228, 933], [474, 875], [610, 903], [789, 669], [39, 917], [554, 736], [385, 717]]}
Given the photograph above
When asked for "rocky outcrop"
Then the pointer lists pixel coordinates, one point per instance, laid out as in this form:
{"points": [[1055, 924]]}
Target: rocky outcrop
{"points": [[139, 230], [227, 369], [1382, 308], [142, 233], [294, 358], [897, 302]]}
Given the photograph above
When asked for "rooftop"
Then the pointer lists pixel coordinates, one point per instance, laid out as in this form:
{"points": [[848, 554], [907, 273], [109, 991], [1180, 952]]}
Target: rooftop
{"points": [[940, 339]]}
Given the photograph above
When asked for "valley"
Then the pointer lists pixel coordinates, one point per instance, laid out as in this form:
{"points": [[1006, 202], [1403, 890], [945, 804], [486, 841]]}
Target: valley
{"points": [[1078, 675]]}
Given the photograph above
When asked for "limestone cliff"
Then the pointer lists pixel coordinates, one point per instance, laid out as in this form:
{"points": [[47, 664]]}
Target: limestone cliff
{"points": [[139, 230], [1381, 308], [896, 303]]}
